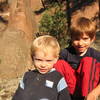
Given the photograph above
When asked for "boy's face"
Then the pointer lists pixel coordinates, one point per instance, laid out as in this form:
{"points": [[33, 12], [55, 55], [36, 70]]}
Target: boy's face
{"points": [[44, 63], [81, 44]]}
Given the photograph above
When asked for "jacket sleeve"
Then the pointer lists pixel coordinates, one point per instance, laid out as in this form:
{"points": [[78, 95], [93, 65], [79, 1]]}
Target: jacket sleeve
{"points": [[18, 94], [89, 74], [63, 93], [68, 73]]}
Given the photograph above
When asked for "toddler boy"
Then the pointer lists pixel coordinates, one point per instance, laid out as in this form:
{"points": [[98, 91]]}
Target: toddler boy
{"points": [[43, 83]]}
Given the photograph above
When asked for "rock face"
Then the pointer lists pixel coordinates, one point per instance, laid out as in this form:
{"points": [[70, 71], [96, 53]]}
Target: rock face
{"points": [[14, 54], [16, 39], [21, 18], [2, 1]]}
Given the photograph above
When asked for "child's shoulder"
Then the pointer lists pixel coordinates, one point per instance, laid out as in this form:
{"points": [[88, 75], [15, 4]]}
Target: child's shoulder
{"points": [[93, 53], [55, 73], [54, 76], [29, 73], [94, 50]]}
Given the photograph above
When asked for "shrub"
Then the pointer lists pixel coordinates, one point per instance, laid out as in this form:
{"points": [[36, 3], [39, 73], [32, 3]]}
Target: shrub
{"points": [[55, 24]]}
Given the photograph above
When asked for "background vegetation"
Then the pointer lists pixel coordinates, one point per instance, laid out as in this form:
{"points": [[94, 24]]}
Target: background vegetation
{"points": [[54, 22]]}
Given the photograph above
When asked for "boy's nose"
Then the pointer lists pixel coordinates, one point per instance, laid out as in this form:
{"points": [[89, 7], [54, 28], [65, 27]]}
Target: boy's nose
{"points": [[80, 42], [44, 63]]}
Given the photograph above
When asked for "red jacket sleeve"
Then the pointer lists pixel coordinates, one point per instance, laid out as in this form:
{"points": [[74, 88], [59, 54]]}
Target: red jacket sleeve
{"points": [[68, 72]]}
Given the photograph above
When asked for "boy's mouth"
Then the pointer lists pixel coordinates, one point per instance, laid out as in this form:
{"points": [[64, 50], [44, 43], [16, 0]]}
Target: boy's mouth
{"points": [[42, 70], [79, 47]]}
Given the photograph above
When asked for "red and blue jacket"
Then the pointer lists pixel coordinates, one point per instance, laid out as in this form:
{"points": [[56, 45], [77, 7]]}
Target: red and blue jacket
{"points": [[82, 74]]}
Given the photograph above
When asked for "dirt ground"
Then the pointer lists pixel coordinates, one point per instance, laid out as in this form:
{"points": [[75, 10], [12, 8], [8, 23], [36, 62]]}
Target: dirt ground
{"points": [[7, 88]]}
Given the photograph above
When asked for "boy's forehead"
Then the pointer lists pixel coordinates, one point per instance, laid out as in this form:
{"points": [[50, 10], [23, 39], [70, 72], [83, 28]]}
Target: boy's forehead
{"points": [[43, 53], [45, 57]]}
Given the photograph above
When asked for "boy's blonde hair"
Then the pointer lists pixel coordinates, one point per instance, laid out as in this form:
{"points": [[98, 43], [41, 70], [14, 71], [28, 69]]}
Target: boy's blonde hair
{"points": [[83, 25], [47, 44]]}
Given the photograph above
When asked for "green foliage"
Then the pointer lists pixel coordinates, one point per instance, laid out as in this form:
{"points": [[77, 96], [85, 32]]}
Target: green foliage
{"points": [[55, 24]]}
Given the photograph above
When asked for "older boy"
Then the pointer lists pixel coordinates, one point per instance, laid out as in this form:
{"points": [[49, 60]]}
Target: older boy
{"points": [[83, 67], [44, 83]]}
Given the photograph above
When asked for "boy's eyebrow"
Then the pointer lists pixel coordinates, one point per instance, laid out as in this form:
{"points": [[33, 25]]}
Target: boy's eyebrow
{"points": [[45, 60], [37, 59]]}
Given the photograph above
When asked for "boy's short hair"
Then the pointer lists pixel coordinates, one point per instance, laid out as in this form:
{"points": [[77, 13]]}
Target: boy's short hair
{"points": [[46, 43], [83, 25]]}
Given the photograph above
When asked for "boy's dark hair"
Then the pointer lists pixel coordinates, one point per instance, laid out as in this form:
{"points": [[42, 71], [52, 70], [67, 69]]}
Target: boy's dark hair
{"points": [[83, 25]]}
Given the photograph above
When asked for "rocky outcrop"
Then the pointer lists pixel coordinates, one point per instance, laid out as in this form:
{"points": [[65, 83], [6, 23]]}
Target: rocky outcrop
{"points": [[14, 53], [15, 39]]}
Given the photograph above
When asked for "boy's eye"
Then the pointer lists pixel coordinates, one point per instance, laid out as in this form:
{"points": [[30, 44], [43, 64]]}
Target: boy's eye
{"points": [[38, 59], [42, 60], [49, 60]]}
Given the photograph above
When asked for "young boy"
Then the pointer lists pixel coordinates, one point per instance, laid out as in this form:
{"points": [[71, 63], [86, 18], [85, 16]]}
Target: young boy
{"points": [[80, 64], [43, 83]]}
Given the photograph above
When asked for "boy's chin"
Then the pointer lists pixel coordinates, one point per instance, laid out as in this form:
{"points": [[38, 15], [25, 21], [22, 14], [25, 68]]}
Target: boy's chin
{"points": [[43, 72]]}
